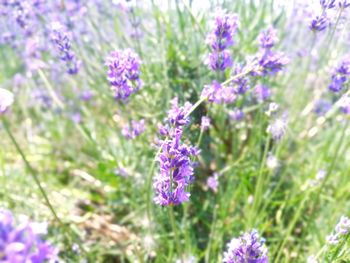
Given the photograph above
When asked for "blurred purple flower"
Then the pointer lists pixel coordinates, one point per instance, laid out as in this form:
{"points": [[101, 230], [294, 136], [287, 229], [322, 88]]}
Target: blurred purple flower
{"points": [[327, 4], [270, 62], [22, 242], [134, 130], [236, 114], [248, 248], [61, 39], [219, 61], [241, 84], [322, 107], [277, 128], [340, 76], [341, 230], [318, 23], [262, 92], [268, 38], [344, 104], [220, 38], [213, 182], [6, 100], [218, 94], [205, 123], [86, 95], [76, 117], [343, 4], [124, 73]]}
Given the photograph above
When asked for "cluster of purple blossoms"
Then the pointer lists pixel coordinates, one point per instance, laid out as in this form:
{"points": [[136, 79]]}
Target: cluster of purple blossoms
{"points": [[124, 73], [236, 114], [340, 76], [219, 39], [344, 104], [62, 41], [219, 94], [213, 182], [277, 128], [176, 165], [343, 4], [342, 229], [6, 100], [249, 247], [134, 130], [269, 62], [22, 242], [322, 107], [262, 93], [205, 123], [320, 22]]}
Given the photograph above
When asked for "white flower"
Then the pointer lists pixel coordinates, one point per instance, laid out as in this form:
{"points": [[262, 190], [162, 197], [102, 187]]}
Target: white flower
{"points": [[6, 100]]}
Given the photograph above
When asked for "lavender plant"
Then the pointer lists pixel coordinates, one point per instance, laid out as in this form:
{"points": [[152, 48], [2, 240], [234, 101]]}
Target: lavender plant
{"points": [[256, 136]]}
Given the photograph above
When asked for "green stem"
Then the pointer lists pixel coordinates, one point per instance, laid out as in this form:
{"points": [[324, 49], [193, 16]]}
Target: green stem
{"points": [[259, 186], [176, 233], [291, 227], [50, 89], [31, 171]]}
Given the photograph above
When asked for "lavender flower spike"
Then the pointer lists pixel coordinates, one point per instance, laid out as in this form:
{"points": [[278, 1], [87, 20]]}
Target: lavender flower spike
{"points": [[219, 39], [124, 73], [340, 76], [61, 39], [176, 165], [340, 232], [6, 100], [22, 242], [268, 38], [134, 130], [318, 23], [248, 248]]}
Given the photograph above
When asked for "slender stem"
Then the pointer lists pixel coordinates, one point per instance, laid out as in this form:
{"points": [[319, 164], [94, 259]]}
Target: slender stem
{"points": [[291, 227], [31, 171], [50, 89], [176, 233], [259, 185]]}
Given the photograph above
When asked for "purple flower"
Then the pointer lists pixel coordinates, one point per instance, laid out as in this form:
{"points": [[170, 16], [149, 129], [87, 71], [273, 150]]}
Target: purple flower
{"points": [[241, 84], [327, 4], [22, 242], [341, 230], [322, 107], [6, 100], [270, 62], [205, 123], [318, 23], [343, 4], [344, 104], [134, 130], [213, 182], [219, 61], [224, 28], [277, 128], [248, 248], [219, 39], [268, 38], [340, 76], [262, 92], [236, 115], [124, 73], [76, 117], [218, 94], [61, 39], [86, 95], [176, 165]]}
